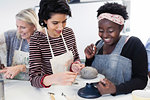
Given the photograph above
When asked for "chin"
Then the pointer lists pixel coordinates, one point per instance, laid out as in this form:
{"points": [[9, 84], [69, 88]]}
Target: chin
{"points": [[24, 37]]}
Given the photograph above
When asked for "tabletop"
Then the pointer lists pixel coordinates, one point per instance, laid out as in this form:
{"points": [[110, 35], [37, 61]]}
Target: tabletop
{"points": [[22, 90]]}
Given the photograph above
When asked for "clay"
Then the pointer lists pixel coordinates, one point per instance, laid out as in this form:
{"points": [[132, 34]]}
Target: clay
{"points": [[88, 73]]}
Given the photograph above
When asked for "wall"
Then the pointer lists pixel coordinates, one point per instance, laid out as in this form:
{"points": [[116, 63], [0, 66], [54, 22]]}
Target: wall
{"points": [[83, 20], [140, 19], [9, 8], [84, 24]]}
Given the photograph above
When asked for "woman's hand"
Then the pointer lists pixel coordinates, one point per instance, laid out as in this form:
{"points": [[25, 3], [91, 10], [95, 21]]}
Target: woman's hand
{"points": [[11, 72], [90, 51], [77, 67], [106, 87], [65, 78]]}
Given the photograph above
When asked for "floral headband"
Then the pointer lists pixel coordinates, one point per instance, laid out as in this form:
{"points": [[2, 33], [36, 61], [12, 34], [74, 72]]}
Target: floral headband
{"points": [[112, 17]]}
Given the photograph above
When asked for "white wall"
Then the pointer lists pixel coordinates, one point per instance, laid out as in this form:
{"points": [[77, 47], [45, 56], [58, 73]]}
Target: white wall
{"points": [[83, 22], [8, 10], [140, 19]]}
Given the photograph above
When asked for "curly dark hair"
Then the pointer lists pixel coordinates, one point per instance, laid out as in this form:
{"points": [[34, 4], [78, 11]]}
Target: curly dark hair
{"points": [[50, 7], [113, 8]]}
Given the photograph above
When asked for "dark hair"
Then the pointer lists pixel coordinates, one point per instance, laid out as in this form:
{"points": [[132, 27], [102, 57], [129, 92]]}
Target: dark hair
{"points": [[50, 7], [113, 8]]}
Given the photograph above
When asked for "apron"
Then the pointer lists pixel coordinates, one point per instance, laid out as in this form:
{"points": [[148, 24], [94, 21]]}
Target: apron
{"points": [[21, 58], [113, 66], [62, 62]]}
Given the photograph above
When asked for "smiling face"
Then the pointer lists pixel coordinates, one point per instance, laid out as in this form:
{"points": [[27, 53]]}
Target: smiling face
{"points": [[56, 24], [24, 29], [109, 32]]}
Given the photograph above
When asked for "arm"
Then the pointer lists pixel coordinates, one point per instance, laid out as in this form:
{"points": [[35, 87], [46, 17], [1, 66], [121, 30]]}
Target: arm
{"points": [[90, 52], [2, 39], [11, 43], [137, 53], [35, 72], [11, 72], [3, 50], [76, 66], [75, 50]]}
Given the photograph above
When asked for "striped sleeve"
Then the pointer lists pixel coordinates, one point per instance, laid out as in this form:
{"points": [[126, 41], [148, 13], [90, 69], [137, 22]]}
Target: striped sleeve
{"points": [[71, 41], [35, 63]]}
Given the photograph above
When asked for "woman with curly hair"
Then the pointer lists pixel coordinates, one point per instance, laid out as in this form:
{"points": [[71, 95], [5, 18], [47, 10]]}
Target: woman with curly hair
{"points": [[53, 51], [121, 59]]}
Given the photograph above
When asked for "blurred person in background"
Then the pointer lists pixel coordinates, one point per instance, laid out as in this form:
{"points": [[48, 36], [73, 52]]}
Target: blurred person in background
{"points": [[148, 54], [17, 45]]}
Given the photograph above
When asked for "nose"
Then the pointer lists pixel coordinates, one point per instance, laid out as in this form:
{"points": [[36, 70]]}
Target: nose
{"points": [[105, 34], [19, 30], [60, 26]]}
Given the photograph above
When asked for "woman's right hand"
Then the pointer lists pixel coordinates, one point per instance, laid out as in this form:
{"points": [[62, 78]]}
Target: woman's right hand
{"points": [[11, 72], [90, 51], [65, 78]]}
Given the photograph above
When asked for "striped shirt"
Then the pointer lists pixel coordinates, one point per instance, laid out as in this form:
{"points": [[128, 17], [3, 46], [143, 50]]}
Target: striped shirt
{"points": [[40, 54]]}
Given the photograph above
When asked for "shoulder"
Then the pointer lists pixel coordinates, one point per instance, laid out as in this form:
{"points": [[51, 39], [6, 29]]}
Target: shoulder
{"points": [[133, 38], [97, 42], [10, 33], [147, 43], [38, 35], [134, 46], [68, 31], [68, 34], [38, 38], [134, 41]]}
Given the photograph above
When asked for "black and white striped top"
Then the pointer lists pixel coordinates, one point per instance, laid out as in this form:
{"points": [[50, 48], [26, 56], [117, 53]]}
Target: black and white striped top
{"points": [[40, 53]]}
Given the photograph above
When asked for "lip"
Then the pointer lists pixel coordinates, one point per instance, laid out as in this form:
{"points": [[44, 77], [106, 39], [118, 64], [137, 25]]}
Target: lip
{"points": [[58, 31], [107, 40], [23, 35]]}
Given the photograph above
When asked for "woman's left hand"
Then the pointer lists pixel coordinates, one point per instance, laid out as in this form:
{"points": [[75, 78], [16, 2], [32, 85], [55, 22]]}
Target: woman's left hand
{"points": [[77, 66], [11, 72], [106, 87]]}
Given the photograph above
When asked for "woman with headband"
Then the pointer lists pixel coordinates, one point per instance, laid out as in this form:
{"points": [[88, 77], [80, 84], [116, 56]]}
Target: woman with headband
{"points": [[121, 59]]}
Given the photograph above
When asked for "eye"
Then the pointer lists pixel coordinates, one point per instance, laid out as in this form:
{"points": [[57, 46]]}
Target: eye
{"points": [[23, 27], [55, 23], [64, 21], [101, 31], [110, 31]]}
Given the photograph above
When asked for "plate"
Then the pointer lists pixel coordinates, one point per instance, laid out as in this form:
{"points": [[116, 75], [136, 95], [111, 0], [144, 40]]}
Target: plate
{"points": [[97, 79]]}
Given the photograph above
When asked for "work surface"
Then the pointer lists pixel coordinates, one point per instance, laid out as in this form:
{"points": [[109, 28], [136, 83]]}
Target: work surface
{"points": [[22, 90]]}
